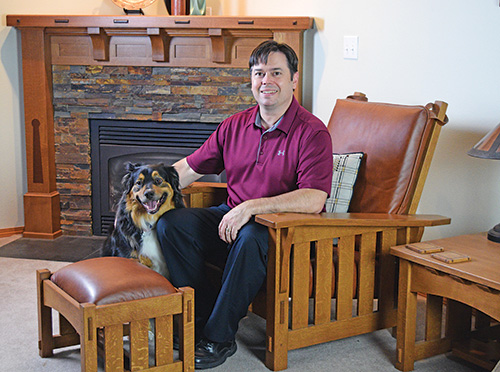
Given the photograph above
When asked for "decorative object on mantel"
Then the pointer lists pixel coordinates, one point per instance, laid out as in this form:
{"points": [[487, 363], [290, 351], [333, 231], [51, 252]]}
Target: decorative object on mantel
{"points": [[489, 148], [168, 5], [133, 6], [198, 7], [178, 7]]}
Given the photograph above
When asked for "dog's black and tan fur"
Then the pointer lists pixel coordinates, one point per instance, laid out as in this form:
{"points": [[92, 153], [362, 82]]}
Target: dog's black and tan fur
{"points": [[148, 192]]}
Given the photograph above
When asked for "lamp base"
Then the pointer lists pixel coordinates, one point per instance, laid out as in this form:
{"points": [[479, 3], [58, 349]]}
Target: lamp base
{"points": [[494, 234]]}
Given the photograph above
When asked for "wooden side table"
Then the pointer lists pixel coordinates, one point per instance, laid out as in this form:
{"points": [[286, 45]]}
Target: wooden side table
{"points": [[474, 283]]}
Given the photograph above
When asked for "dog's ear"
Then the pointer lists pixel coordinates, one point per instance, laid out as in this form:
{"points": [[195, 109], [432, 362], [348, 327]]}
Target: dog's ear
{"points": [[126, 186], [127, 180], [173, 179], [130, 167]]}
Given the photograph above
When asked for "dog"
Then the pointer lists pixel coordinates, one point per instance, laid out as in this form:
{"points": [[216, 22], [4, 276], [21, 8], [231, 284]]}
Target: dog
{"points": [[149, 191]]}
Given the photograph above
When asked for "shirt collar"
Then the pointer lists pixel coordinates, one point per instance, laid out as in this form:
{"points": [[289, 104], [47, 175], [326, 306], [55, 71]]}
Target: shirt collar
{"points": [[285, 122], [258, 122]]}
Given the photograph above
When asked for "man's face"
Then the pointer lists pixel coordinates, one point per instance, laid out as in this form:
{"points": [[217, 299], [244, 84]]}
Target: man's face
{"points": [[272, 85]]}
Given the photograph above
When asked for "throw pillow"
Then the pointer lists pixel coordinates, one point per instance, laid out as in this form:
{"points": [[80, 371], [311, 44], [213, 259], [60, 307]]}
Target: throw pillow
{"points": [[345, 172]]}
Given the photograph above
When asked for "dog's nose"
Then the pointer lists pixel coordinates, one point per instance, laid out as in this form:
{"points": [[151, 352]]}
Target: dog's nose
{"points": [[149, 194]]}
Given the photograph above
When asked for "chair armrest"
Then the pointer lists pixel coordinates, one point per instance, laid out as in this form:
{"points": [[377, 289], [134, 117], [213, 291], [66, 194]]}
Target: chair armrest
{"points": [[204, 194], [204, 187], [285, 220]]}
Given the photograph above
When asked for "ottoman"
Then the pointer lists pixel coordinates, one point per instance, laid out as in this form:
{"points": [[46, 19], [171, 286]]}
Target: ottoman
{"points": [[102, 301]]}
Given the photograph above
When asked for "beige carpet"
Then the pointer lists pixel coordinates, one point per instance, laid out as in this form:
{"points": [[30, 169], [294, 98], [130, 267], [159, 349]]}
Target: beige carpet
{"points": [[18, 319], [19, 352]]}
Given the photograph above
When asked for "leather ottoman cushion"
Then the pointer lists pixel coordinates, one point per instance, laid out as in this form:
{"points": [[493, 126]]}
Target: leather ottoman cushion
{"points": [[107, 280]]}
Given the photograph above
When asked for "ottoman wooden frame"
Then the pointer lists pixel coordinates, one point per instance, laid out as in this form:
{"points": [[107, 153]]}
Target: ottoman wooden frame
{"points": [[84, 323]]}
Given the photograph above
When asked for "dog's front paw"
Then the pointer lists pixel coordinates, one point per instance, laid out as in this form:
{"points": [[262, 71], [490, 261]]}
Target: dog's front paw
{"points": [[146, 261]]}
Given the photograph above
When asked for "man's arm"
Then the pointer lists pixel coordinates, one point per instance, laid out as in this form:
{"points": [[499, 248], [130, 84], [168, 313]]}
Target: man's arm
{"points": [[186, 174], [300, 201]]}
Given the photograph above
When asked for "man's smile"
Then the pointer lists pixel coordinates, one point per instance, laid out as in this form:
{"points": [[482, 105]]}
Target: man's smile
{"points": [[268, 91]]}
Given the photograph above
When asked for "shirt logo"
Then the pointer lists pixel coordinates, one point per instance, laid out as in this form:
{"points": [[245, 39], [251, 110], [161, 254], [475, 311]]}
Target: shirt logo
{"points": [[281, 152]]}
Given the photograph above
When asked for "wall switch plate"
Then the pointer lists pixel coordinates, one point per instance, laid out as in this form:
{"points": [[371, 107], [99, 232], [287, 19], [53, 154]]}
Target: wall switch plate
{"points": [[350, 47]]}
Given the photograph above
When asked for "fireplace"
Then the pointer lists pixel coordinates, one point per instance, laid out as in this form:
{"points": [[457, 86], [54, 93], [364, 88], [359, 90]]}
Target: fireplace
{"points": [[114, 143], [61, 55]]}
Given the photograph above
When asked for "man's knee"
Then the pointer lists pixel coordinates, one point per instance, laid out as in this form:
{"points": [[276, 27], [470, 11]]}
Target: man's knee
{"points": [[167, 222], [253, 230], [256, 235]]}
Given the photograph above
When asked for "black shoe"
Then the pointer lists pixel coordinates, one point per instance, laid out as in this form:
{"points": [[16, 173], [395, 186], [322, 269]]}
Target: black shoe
{"points": [[209, 354]]}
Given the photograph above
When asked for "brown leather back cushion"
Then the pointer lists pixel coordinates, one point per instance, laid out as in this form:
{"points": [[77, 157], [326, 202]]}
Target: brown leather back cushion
{"points": [[390, 136]]}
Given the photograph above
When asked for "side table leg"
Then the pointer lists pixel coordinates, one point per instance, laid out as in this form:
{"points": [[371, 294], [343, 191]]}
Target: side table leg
{"points": [[407, 318]]}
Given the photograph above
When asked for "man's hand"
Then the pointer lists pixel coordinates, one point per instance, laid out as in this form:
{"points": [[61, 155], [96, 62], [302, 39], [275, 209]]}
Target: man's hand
{"points": [[232, 221]]}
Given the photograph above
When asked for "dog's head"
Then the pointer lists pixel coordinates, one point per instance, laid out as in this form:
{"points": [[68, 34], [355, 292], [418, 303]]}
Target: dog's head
{"points": [[150, 191]]}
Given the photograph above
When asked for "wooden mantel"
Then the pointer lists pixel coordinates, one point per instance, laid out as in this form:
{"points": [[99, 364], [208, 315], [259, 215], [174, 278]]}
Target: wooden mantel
{"points": [[177, 41]]}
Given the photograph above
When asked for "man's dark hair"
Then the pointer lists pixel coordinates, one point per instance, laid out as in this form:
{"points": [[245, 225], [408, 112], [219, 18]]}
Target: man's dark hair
{"points": [[261, 53]]}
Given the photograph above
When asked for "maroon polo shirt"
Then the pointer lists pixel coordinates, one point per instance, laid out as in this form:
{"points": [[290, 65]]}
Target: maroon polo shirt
{"points": [[297, 154]]}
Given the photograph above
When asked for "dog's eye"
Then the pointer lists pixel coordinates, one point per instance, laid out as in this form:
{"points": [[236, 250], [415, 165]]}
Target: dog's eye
{"points": [[138, 182], [158, 181]]}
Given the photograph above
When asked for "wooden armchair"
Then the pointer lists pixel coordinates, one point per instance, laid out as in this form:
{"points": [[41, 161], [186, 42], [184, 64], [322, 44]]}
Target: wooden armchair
{"points": [[398, 143]]}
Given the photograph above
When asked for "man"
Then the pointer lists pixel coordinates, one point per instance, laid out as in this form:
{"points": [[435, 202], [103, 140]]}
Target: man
{"points": [[278, 158]]}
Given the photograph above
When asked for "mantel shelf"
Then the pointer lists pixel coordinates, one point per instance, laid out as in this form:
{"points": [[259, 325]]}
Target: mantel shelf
{"points": [[136, 21]]}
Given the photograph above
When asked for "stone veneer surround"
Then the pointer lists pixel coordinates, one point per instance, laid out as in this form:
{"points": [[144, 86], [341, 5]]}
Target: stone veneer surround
{"points": [[174, 94]]}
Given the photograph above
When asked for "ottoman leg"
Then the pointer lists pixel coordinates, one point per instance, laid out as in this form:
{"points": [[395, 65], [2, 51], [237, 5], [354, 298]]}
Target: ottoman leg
{"points": [[45, 338], [186, 329], [88, 339]]}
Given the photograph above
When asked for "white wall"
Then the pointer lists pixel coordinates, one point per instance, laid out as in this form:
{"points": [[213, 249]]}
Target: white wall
{"points": [[410, 52]]}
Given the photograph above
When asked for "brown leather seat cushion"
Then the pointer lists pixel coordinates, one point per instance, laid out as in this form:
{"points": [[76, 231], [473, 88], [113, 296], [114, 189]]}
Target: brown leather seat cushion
{"points": [[107, 280]]}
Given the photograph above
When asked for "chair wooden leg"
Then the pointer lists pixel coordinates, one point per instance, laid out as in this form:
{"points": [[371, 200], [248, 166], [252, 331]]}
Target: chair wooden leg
{"points": [[277, 304], [45, 337], [277, 336], [88, 339]]}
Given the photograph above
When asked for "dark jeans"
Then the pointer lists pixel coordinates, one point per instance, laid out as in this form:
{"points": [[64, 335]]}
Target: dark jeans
{"points": [[189, 238]]}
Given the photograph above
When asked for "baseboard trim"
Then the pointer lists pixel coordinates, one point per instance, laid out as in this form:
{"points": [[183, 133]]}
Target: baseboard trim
{"points": [[4, 233]]}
